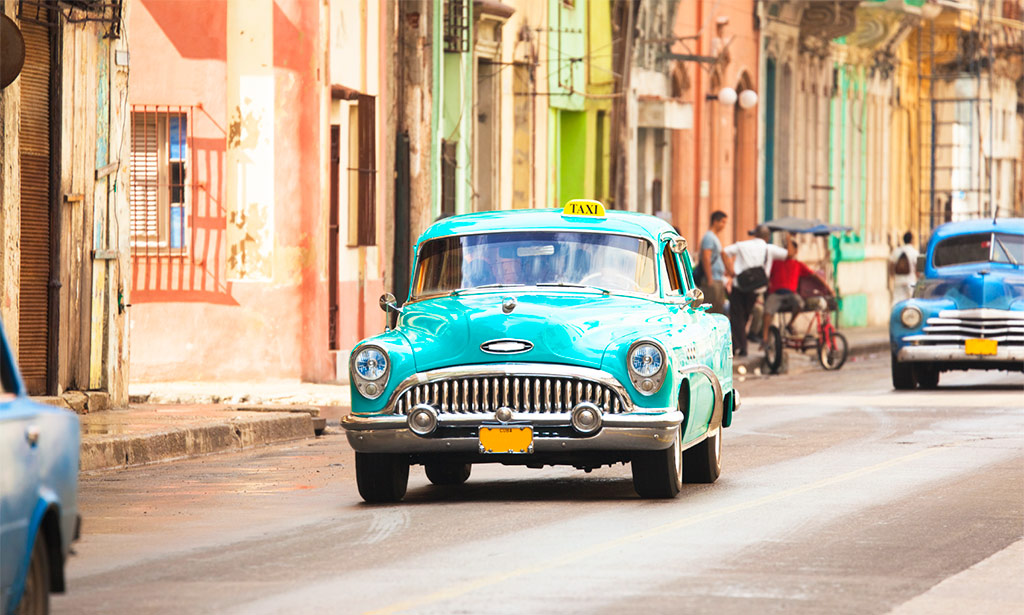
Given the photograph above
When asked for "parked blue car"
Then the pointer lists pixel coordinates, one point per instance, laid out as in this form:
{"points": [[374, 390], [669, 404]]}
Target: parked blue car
{"points": [[38, 494], [567, 336], [968, 310]]}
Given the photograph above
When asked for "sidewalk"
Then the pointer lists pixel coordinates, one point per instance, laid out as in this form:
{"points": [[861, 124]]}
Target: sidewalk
{"points": [[176, 420]]}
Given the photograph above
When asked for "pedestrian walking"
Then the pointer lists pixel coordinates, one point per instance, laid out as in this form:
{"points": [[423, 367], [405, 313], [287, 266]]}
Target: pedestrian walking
{"points": [[747, 257], [903, 269], [711, 277]]}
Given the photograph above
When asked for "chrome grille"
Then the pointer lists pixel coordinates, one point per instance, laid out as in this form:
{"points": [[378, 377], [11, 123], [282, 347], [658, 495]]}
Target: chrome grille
{"points": [[526, 393], [955, 326]]}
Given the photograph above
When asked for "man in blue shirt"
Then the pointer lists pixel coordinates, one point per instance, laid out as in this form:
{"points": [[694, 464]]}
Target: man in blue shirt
{"points": [[711, 264]]}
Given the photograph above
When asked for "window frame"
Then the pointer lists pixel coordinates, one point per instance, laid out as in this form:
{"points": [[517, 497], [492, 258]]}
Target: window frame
{"points": [[159, 197]]}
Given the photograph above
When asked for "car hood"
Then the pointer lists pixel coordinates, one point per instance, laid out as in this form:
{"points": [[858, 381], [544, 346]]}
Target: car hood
{"points": [[567, 328], [981, 288]]}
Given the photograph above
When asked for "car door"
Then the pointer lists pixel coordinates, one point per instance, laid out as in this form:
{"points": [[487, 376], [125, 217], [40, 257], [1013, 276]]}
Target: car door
{"points": [[695, 338], [19, 478]]}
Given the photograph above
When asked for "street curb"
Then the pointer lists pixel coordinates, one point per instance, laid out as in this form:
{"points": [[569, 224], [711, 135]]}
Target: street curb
{"points": [[122, 451]]}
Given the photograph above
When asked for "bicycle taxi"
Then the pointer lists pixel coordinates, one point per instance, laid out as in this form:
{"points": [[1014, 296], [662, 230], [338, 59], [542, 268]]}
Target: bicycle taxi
{"points": [[808, 324]]}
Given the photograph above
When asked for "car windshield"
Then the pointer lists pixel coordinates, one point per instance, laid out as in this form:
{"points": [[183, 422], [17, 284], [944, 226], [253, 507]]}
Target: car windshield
{"points": [[546, 258], [979, 248]]}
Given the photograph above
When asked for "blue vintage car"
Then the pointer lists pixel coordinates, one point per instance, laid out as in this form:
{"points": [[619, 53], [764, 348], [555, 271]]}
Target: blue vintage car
{"points": [[540, 337], [38, 493], [968, 310]]}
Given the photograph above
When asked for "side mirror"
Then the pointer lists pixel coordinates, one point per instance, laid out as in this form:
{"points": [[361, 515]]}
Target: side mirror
{"points": [[388, 303], [679, 245], [694, 297]]}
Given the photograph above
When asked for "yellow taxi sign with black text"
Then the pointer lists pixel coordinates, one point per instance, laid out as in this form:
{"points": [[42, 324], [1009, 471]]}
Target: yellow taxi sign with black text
{"points": [[584, 207]]}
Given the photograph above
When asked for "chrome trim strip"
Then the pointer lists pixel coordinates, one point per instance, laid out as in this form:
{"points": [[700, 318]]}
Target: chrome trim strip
{"points": [[983, 314], [516, 371], [717, 412]]}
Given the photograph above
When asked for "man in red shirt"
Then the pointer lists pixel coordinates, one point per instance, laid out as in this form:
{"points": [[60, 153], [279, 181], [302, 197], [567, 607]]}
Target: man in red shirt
{"points": [[783, 284]]}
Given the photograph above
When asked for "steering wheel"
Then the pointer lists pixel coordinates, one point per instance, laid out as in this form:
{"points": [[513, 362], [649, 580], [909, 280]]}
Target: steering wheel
{"points": [[627, 283]]}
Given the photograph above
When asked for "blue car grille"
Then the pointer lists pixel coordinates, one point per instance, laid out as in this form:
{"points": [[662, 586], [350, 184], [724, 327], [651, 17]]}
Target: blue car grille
{"points": [[541, 394], [956, 326]]}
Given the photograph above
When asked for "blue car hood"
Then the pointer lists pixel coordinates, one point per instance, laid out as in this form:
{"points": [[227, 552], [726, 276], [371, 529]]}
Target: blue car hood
{"points": [[569, 328], [981, 288]]}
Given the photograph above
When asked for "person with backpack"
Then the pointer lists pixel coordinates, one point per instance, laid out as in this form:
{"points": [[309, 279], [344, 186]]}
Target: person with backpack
{"points": [[751, 262], [903, 269]]}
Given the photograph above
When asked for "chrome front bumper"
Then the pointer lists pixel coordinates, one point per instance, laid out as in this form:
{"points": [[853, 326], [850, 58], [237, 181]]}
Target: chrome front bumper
{"points": [[955, 352], [653, 430]]}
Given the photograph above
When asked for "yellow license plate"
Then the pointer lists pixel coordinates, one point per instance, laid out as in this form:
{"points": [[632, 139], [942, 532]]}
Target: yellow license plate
{"points": [[516, 439], [977, 346]]}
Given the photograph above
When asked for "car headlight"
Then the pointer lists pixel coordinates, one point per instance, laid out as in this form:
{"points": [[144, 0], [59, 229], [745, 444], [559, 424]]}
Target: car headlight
{"points": [[370, 368], [645, 363], [910, 317]]}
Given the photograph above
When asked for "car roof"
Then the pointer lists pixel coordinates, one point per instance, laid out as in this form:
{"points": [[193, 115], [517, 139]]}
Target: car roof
{"points": [[1012, 225], [622, 222]]}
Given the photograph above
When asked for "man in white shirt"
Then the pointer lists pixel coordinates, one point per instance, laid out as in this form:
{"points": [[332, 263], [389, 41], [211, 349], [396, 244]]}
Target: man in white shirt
{"points": [[756, 252], [903, 269]]}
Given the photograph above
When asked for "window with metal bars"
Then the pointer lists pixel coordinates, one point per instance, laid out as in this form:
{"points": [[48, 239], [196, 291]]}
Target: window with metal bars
{"points": [[456, 26], [159, 183]]}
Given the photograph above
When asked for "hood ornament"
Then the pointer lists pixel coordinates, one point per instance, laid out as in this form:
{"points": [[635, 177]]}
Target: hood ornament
{"points": [[508, 304], [506, 346]]}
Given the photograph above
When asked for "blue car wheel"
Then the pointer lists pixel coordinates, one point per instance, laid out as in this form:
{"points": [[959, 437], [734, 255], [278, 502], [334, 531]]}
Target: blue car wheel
{"points": [[35, 600]]}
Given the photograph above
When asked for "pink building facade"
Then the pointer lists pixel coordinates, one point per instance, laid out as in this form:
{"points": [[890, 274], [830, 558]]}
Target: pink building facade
{"points": [[240, 186]]}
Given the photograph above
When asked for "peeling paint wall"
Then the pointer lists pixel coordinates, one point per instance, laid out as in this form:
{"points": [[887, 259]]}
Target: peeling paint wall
{"points": [[10, 203], [250, 141], [249, 299]]}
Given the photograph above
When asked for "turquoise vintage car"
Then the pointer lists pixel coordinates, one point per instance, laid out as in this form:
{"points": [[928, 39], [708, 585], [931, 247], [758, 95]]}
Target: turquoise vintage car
{"points": [[968, 310], [567, 336]]}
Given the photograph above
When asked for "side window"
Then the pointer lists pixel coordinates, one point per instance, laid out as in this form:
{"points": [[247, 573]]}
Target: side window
{"points": [[675, 284]]}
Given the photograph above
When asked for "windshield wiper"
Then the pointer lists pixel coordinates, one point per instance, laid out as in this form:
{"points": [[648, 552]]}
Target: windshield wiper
{"points": [[567, 285], [458, 291], [1013, 261]]}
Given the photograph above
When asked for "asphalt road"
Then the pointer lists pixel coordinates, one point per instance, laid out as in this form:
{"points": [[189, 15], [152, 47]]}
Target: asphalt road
{"points": [[838, 495]]}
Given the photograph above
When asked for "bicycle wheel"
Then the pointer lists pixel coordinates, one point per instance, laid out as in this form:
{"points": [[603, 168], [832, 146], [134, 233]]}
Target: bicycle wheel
{"points": [[832, 354], [773, 350]]}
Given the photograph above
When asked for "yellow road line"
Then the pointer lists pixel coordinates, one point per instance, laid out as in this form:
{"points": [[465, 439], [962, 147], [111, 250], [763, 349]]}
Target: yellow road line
{"points": [[455, 591]]}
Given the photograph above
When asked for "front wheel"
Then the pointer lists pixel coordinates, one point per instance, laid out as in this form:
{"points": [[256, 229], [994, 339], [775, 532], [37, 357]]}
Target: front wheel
{"points": [[659, 474], [927, 376], [382, 477], [442, 473], [35, 600], [703, 463], [832, 354], [773, 350], [902, 375]]}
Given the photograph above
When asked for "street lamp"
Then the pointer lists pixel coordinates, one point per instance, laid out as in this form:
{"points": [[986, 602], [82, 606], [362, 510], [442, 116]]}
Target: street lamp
{"points": [[748, 98], [729, 97]]}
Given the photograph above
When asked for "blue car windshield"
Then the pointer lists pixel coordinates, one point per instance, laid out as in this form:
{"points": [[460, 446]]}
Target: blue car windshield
{"points": [[979, 248], [531, 258]]}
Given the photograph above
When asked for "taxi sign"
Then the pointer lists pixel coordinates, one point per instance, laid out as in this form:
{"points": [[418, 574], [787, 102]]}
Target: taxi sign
{"points": [[584, 207]]}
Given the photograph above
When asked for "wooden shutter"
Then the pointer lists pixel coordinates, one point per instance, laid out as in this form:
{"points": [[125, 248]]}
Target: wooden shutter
{"points": [[33, 311], [143, 195], [367, 233]]}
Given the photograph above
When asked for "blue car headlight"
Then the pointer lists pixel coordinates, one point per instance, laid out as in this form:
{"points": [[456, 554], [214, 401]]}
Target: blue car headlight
{"points": [[910, 317], [370, 368], [645, 363]]}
